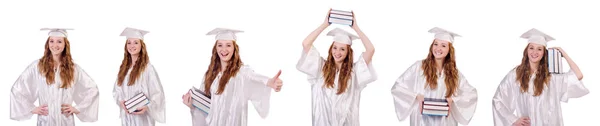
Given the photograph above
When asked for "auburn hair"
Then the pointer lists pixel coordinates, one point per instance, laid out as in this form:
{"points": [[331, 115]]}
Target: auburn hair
{"points": [[524, 72], [233, 67], [46, 65], [329, 71], [450, 72], [138, 68]]}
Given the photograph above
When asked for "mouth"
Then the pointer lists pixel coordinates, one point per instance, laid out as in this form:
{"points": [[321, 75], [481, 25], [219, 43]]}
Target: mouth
{"points": [[224, 54], [437, 52], [535, 56], [337, 56]]}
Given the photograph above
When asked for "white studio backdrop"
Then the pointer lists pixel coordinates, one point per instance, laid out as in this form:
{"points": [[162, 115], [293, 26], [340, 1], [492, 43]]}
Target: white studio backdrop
{"points": [[180, 51]]}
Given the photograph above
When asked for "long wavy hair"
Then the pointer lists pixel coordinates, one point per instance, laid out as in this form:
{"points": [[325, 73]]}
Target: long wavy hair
{"points": [[451, 73], [524, 72], [329, 70], [47, 65], [138, 68], [233, 67]]}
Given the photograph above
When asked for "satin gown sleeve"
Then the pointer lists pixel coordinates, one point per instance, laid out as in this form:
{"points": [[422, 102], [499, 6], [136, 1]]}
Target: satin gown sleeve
{"points": [[569, 86], [86, 96], [256, 90], [403, 92], [504, 101], [24, 94], [365, 73], [199, 117], [311, 63], [156, 95], [464, 102]]}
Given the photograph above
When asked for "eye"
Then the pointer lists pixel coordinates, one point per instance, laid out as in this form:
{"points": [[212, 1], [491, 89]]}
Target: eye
{"points": [[59, 41], [343, 49], [334, 47], [229, 45], [219, 45], [443, 45], [435, 44]]}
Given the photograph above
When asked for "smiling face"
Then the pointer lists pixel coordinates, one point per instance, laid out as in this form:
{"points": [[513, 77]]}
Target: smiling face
{"points": [[339, 51], [56, 45], [535, 52], [225, 49], [134, 46], [440, 49]]}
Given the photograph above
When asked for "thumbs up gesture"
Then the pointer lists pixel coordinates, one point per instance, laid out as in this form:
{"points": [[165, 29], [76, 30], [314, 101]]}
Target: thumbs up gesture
{"points": [[275, 82]]}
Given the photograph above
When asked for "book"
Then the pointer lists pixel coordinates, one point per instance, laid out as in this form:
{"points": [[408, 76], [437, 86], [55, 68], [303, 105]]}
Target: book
{"points": [[340, 17], [200, 100], [435, 107], [554, 61], [135, 102]]}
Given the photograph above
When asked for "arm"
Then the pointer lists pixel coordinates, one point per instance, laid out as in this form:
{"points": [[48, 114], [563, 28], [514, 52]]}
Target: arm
{"points": [[572, 64], [156, 95], [256, 90], [405, 98], [24, 94], [85, 96], [504, 102], [369, 48], [464, 102], [308, 41]]}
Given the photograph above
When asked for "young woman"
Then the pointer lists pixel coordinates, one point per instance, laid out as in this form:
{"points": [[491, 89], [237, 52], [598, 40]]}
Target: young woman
{"points": [[530, 91], [55, 81], [337, 81], [231, 84], [137, 75], [435, 77]]}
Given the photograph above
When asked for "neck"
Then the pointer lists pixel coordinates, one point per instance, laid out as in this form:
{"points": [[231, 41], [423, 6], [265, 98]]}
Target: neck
{"points": [[438, 64], [134, 59], [56, 59], [534, 66], [338, 65], [223, 65]]}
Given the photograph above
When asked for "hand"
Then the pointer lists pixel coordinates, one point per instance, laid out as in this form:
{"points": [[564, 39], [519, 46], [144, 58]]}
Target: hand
{"points": [[420, 99], [523, 121], [122, 105], [564, 54], [68, 110], [40, 110], [354, 25], [450, 101], [275, 82], [326, 22], [141, 110], [187, 99]]}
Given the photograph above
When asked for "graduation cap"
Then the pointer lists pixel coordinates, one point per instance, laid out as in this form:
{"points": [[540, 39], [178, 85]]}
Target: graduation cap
{"points": [[442, 34], [224, 33], [537, 37], [134, 33], [57, 32], [342, 36]]}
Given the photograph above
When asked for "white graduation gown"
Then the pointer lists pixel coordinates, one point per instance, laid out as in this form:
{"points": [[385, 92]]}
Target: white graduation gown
{"points": [[32, 86], [543, 110], [149, 84], [328, 108], [230, 108], [412, 82]]}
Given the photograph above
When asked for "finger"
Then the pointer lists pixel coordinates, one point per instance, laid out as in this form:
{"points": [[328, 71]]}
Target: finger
{"points": [[277, 75], [44, 105]]}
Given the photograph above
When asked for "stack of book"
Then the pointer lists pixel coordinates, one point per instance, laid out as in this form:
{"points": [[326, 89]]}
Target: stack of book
{"points": [[340, 17], [135, 102], [435, 107], [554, 61], [200, 100]]}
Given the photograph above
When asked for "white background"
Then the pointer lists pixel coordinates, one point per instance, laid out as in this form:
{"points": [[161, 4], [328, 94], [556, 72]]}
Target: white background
{"points": [[180, 51]]}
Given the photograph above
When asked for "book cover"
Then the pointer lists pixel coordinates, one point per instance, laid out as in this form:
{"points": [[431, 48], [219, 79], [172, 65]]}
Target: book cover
{"points": [[340, 17], [200, 100], [435, 107], [135, 102]]}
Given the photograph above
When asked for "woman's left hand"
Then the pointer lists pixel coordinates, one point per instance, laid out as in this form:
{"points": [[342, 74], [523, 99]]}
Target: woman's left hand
{"points": [[275, 82], [562, 52], [68, 110], [141, 110], [450, 101]]}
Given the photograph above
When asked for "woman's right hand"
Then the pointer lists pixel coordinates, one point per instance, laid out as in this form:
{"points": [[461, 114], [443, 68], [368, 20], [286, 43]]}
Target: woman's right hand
{"points": [[40, 110], [187, 99], [122, 105], [326, 22], [523, 121], [420, 98]]}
